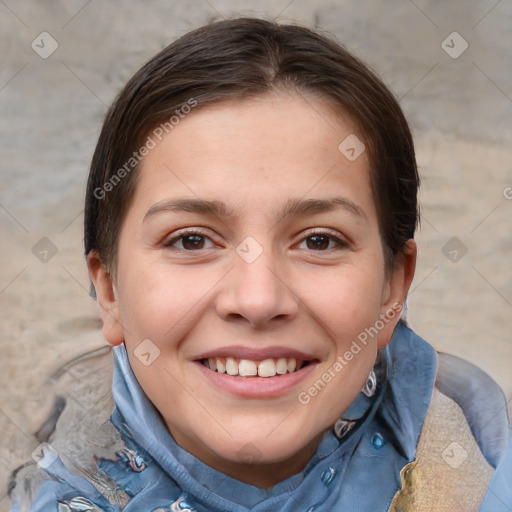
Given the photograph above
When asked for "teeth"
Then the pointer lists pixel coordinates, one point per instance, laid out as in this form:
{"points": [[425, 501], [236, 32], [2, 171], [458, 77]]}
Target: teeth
{"points": [[220, 367], [249, 368], [231, 366], [267, 368], [281, 366]]}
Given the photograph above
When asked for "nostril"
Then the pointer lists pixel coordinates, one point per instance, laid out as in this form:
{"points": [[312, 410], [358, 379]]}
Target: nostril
{"points": [[236, 316]]}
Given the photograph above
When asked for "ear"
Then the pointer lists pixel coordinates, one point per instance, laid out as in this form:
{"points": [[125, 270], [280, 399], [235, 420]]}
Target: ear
{"points": [[107, 300], [394, 292]]}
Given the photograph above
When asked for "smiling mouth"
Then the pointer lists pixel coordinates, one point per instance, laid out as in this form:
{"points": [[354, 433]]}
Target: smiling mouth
{"points": [[270, 367]]}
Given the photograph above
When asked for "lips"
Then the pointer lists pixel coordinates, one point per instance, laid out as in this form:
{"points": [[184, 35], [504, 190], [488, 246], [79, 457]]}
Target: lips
{"points": [[256, 373]]}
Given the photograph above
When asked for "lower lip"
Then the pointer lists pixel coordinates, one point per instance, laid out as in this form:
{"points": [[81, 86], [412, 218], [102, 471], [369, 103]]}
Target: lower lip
{"points": [[257, 387]]}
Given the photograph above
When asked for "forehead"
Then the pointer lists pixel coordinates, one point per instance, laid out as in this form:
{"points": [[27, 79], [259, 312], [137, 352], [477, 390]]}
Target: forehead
{"points": [[258, 153]]}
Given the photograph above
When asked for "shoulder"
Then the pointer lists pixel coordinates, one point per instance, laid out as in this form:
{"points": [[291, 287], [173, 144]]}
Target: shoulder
{"points": [[477, 397], [481, 400], [66, 477], [463, 454], [63, 474]]}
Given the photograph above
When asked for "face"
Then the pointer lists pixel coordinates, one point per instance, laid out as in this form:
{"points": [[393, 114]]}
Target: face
{"points": [[250, 256]]}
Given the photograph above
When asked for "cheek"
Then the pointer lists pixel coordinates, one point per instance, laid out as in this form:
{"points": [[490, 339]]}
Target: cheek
{"points": [[161, 303], [345, 300]]}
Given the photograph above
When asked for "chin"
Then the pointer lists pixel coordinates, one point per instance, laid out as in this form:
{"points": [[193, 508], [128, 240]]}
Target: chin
{"points": [[265, 450]]}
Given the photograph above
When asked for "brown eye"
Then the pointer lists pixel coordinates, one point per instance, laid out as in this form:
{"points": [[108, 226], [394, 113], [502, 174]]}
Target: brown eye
{"points": [[318, 242], [322, 241], [191, 241]]}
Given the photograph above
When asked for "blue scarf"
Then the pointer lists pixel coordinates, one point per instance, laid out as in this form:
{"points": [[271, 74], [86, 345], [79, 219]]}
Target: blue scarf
{"points": [[355, 468]]}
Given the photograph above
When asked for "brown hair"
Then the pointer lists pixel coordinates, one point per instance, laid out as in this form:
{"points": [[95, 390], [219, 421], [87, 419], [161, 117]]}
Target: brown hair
{"points": [[235, 59]]}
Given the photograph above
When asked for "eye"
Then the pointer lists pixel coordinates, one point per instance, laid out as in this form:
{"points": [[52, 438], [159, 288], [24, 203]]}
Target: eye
{"points": [[322, 241], [190, 241]]}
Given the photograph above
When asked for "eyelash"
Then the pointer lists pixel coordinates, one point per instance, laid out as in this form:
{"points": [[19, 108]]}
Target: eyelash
{"points": [[183, 234], [341, 244]]}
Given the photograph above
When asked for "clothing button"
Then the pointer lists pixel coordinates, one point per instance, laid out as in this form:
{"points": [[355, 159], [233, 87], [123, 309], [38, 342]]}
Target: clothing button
{"points": [[180, 505], [377, 441], [327, 476]]}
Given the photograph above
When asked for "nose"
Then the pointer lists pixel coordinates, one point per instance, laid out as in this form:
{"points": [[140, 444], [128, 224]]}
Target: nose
{"points": [[257, 293]]}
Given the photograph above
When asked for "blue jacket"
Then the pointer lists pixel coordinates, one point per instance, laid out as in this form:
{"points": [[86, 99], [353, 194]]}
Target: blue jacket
{"points": [[132, 463]]}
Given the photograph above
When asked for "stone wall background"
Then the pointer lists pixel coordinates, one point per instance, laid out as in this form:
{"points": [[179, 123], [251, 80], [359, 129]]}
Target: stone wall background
{"points": [[50, 116]]}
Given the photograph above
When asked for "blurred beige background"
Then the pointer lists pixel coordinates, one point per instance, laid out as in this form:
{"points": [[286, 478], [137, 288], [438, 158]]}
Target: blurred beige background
{"points": [[458, 100]]}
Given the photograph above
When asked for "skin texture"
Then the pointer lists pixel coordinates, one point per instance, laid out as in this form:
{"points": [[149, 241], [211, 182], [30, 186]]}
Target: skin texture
{"points": [[188, 299]]}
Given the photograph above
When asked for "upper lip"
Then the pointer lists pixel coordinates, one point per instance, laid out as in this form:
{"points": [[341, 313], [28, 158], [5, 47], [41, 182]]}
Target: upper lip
{"points": [[256, 354]]}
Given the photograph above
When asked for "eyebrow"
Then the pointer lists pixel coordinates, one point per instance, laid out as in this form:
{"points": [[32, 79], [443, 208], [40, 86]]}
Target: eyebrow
{"points": [[308, 206], [297, 207], [213, 208]]}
